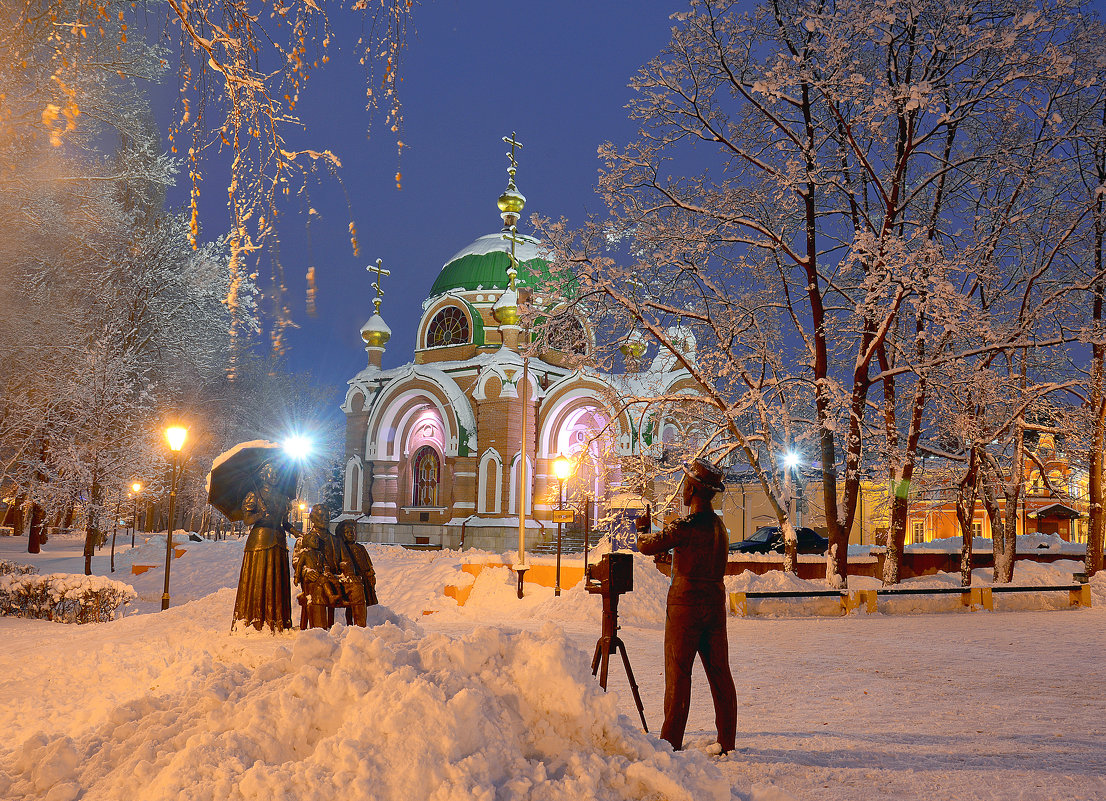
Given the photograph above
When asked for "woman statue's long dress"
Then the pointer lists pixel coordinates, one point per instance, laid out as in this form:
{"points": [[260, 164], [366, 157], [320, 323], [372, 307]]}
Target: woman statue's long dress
{"points": [[264, 585]]}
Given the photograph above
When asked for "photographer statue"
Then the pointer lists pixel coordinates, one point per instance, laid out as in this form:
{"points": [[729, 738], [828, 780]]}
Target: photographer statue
{"points": [[696, 619], [357, 575], [315, 564]]}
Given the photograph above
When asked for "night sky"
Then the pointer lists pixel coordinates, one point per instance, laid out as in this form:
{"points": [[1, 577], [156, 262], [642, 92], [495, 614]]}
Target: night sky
{"points": [[473, 71]]}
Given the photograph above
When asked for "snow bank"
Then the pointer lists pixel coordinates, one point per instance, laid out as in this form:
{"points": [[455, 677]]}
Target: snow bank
{"points": [[386, 712], [1026, 574], [1026, 544]]}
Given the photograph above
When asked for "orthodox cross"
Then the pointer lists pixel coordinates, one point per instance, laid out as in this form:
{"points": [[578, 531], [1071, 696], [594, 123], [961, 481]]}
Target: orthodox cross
{"points": [[380, 273], [513, 142]]}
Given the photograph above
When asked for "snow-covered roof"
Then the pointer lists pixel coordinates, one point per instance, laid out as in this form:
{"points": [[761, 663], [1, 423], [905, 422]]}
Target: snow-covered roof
{"points": [[526, 247]]}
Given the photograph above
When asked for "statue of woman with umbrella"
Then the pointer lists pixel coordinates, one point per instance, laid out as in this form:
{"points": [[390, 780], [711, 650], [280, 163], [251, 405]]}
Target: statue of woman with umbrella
{"points": [[254, 483]]}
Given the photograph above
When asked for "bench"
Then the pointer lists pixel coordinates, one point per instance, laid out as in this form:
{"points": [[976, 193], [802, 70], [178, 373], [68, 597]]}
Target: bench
{"points": [[973, 598], [302, 600]]}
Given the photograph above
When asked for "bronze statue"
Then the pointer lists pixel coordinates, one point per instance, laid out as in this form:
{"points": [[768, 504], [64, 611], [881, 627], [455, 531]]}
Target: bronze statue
{"points": [[696, 617], [358, 576], [317, 572], [264, 591]]}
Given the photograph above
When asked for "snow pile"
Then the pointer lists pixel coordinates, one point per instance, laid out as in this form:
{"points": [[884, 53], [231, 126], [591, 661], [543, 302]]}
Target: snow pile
{"points": [[1026, 544], [386, 712], [1027, 573], [779, 581]]}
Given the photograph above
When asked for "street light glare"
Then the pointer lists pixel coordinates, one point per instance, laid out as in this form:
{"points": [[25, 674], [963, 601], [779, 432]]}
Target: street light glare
{"points": [[297, 447], [791, 459], [562, 468], [137, 487], [176, 436]]}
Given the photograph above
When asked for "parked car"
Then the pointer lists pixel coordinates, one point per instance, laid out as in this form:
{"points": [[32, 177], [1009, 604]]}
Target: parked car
{"points": [[769, 539]]}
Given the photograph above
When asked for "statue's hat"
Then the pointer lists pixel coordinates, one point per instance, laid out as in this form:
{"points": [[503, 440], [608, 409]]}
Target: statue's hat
{"points": [[703, 472]]}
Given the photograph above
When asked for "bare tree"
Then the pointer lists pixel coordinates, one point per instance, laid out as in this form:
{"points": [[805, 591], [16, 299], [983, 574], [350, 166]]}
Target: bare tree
{"points": [[865, 165]]}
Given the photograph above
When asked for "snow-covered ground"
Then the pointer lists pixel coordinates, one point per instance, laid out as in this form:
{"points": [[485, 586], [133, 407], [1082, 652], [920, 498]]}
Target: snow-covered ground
{"points": [[495, 701]]}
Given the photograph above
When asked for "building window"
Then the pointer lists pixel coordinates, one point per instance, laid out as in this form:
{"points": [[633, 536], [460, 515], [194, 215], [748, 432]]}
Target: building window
{"points": [[918, 530], [450, 326], [426, 472], [977, 529]]}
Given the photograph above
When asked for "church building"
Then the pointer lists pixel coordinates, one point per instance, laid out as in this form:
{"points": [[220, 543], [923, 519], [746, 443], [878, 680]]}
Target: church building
{"points": [[441, 451]]}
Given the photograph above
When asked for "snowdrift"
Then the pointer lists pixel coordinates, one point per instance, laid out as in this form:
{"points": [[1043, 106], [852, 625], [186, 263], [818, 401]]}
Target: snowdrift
{"points": [[386, 712]]}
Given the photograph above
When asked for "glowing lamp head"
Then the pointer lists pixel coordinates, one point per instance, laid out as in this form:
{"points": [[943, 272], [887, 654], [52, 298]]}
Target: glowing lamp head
{"points": [[136, 487], [791, 459], [176, 436], [297, 447], [562, 468]]}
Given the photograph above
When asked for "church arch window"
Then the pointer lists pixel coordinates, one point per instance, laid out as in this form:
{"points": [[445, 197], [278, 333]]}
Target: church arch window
{"points": [[490, 487], [513, 499], [426, 473], [353, 485], [450, 326]]}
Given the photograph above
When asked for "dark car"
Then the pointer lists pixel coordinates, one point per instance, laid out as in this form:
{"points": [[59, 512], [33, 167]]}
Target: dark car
{"points": [[769, 539]]}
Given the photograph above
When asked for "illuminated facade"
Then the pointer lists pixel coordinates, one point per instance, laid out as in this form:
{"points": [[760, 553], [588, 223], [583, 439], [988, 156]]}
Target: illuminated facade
{"points": [[434, 448]]}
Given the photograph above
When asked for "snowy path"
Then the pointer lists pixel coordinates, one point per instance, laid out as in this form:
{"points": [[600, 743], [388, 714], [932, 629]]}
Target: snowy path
{"points": [[1005, 705]]}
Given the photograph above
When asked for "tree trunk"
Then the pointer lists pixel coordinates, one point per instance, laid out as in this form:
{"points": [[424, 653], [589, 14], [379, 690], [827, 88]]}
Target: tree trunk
{"points": [[1096, 525], [998, 524], [92, 527], [965, 513], [896, 536], [1096, 512], [38, 523]]}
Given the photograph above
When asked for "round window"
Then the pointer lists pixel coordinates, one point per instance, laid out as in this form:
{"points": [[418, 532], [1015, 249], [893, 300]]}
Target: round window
{"points": [[450, 326]]}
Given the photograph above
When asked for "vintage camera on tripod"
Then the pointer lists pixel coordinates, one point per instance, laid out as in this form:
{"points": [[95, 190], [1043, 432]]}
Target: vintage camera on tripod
{"points": [[612, 575]]}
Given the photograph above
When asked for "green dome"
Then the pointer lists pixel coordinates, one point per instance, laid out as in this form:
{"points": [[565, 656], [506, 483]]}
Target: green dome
{"points": [[484, 263]]}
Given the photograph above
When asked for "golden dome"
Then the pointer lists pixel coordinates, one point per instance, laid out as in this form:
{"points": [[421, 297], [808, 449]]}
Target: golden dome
{"points": [[375, 332], [511, 201], [633, 347], [376, 339], [505, 309]]}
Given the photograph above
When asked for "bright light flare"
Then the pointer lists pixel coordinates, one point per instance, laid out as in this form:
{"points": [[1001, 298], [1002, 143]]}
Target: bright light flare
{"points": [[176, 436], [562, 468], [298, 447], [137, 487], [791, 459]]}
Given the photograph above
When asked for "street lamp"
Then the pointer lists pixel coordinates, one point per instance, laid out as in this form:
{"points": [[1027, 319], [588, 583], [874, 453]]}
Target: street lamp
{"points": [[562, 468], [298, 447], [176, 436], [136, 488]]}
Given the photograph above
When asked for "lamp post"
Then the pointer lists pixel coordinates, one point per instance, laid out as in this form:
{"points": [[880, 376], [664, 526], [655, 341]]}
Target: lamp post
{"points": [[562, 468], [136, 488], [176, 436]]}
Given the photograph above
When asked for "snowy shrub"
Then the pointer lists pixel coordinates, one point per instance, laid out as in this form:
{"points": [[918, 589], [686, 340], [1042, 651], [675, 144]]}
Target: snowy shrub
{"points": [[63, 597], [15, 569]]}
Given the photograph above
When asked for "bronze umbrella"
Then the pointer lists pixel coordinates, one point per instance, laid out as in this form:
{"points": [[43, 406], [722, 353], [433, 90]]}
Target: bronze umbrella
{"points": [[237, 472]]}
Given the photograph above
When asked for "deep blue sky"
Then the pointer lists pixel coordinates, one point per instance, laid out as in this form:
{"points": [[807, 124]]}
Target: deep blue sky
{"points": [[473, 71]]}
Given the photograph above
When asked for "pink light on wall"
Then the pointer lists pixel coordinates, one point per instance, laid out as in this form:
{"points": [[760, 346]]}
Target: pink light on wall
{"points": [[426, 429]]}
